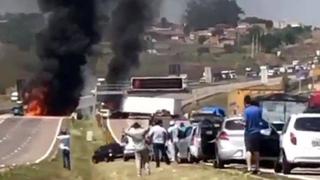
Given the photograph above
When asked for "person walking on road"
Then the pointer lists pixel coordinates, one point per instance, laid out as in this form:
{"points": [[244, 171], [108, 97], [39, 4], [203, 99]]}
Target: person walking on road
{"points": [[159, 135], [253, 137], [138, 135], [173, 140], [64, 146]]}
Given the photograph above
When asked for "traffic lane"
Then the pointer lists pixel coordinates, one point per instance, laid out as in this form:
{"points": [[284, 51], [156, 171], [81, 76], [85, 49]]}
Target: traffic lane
{"points": [[17, 137], [36, 144], [117, 126], [7, 125]]}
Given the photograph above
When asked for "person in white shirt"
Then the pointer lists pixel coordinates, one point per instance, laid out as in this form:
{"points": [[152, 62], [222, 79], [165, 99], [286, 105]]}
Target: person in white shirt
{"points": [[138, 136], [158, 136], [173, 140], [64, 146]]}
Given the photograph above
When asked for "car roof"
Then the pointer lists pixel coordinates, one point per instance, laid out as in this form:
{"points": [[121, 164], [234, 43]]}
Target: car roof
{"points": [[302, 115], [234, 118]]}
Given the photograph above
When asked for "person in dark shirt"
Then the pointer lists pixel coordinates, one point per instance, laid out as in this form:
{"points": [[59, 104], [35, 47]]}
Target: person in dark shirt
{"points": [[253, 126]]}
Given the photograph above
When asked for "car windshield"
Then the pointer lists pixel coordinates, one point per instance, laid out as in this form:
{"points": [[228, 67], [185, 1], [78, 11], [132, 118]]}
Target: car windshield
{"points": [[279, 111], [234, 125], [308, 124]]}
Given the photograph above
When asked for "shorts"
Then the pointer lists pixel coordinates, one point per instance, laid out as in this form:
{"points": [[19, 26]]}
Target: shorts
{"points": [[253, 143]]}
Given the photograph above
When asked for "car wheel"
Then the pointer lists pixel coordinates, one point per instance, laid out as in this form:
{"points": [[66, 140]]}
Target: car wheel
{"points": [[179, 160], [218, 163], [125, 158], [190, 158], [286, 166], [277, 167]]}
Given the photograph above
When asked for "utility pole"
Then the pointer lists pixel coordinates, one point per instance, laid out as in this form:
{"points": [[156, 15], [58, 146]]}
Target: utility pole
{"points": [[252, 47], [257, 44]]}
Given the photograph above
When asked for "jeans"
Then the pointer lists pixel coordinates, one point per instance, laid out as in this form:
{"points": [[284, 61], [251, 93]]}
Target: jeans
{"points": [[157, 149], [66, 159], [142, 161]]}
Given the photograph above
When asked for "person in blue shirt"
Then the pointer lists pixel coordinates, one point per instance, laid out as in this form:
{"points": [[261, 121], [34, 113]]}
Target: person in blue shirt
{"points": [[253, 126]]}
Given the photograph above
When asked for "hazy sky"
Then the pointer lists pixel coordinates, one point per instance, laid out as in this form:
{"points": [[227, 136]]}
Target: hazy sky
{"points": [[306, 11]]}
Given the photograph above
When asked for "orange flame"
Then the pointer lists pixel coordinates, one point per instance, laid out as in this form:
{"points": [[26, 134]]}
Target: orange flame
{"points": [[36, 102]]}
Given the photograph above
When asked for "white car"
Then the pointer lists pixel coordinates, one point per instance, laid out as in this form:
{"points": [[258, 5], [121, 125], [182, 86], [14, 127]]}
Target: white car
{"points": [[300, 143]]}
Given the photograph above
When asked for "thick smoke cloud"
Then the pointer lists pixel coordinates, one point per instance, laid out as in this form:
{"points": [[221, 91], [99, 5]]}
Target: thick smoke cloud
{"points": [[128, 23], [62, 47]]}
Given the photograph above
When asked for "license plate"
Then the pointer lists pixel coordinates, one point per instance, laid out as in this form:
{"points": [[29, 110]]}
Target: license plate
{"points": [[209, 132], [216, 125], [316, 143]]}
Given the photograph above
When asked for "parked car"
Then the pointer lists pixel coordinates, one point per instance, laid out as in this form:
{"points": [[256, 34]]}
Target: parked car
{"points": [[230, 145], [300, 143], [107, 153], [183, 151], [128, 151], [230, 142], [17, 111], [203, 137]]}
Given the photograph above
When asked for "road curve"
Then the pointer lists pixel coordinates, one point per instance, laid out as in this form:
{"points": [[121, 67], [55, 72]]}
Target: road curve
{"points": [[25, 140]]}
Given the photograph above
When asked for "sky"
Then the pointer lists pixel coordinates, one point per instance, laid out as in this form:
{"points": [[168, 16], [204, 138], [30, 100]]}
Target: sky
{"points": [[305, 11]]}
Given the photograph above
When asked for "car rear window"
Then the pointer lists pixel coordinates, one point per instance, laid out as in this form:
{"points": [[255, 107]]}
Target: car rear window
{"points": [[234, 125], [308, 124]]}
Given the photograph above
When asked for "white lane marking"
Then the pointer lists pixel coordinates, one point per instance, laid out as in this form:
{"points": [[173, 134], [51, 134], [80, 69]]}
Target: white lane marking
{"points": [[5, 117], [111, 131], [53, 142]]}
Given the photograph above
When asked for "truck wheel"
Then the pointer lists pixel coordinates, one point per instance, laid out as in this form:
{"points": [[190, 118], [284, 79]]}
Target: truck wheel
{"points": [[286, 166]]}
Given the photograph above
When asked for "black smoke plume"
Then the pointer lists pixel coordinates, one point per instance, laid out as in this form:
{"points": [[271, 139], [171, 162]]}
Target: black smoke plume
{"points": [[128, 22], [62, 48]]}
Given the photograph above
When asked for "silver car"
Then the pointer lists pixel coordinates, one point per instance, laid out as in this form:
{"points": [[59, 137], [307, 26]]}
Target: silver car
{"points": [[230, 145], [230, 142]]}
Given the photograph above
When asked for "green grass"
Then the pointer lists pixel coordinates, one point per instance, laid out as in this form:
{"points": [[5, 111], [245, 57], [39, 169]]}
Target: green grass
{"points": [[52, 169], [126, 171]]}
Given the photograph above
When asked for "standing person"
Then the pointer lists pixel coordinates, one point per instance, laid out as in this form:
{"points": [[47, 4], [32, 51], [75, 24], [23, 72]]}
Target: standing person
{"points": [[138, 135], [158, 135], [173, 140], [253, 137], [64, 146]]}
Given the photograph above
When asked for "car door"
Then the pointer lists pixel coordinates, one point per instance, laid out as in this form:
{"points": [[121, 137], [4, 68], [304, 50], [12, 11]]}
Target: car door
{"points": [[270, 145]]}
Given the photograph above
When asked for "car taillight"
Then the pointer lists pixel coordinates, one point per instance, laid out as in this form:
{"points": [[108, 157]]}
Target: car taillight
{"points": [[293, 139], [196, 140], [223, 136]]}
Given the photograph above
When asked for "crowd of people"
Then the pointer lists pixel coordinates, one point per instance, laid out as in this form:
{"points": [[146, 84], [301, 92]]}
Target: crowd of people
{"points": [[166, 140], [163, 142]]}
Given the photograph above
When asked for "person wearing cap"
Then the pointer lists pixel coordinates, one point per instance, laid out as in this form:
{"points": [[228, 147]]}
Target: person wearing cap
{"points": [[173, 140]]}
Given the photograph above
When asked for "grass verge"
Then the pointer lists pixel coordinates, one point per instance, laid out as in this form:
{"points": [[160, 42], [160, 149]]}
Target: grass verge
{"points": [[52, 169]]}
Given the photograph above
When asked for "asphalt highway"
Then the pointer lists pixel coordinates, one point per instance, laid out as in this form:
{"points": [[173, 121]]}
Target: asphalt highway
{"points": [[27, 140]]}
